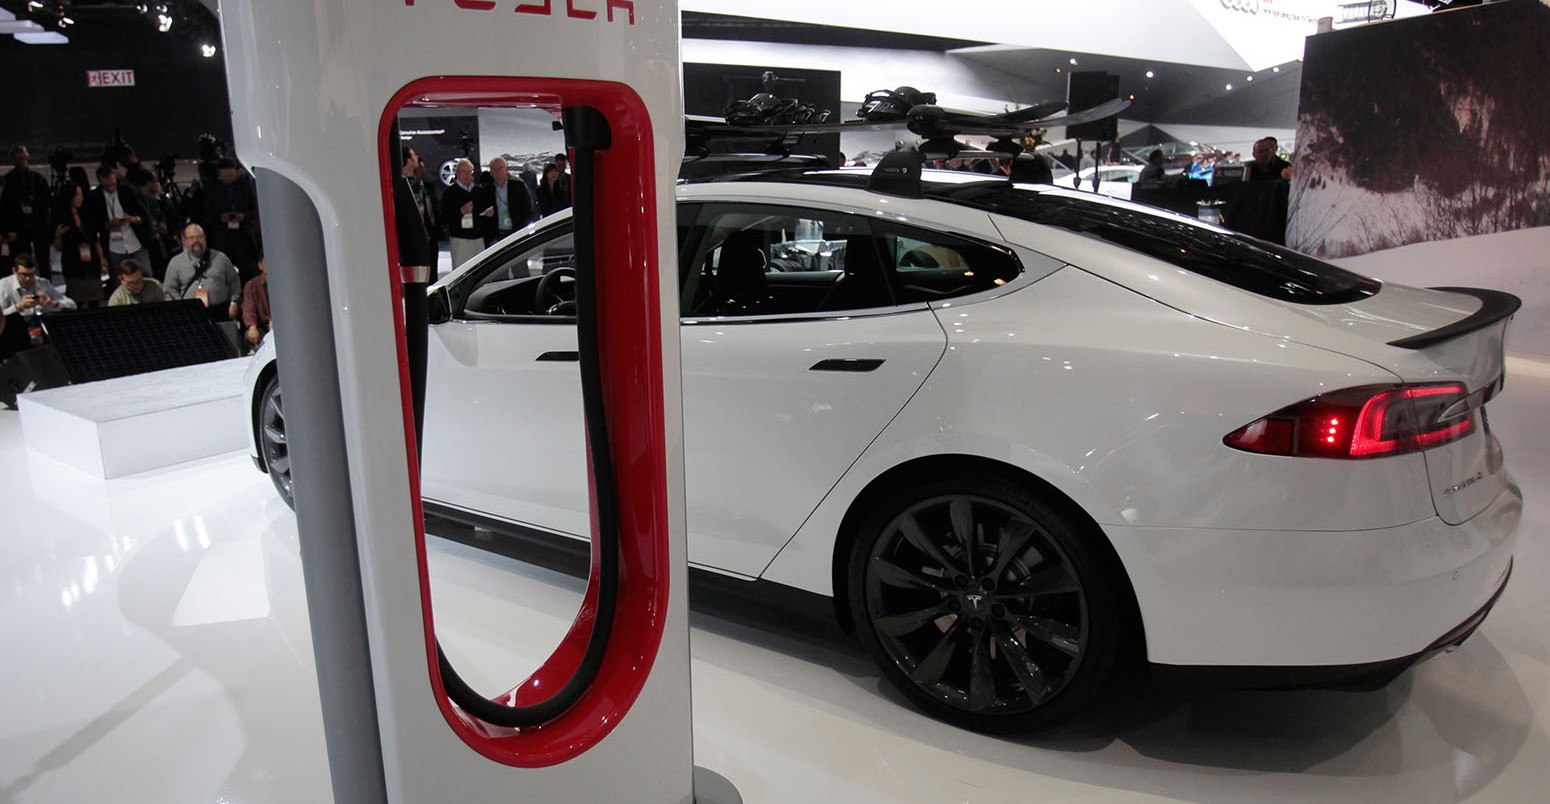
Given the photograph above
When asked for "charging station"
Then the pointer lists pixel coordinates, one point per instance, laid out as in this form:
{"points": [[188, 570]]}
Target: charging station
{"points": [[316, 88]]}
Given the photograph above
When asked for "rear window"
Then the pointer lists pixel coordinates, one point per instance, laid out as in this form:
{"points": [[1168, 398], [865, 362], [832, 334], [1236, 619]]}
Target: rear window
{"points": [[1235, 259]]}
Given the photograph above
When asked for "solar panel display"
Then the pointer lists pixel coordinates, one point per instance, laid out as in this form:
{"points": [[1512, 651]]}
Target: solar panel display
{"points": [[107, 342]]}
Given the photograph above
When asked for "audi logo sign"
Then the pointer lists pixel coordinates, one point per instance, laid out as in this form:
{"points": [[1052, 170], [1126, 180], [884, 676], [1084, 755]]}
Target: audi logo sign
{"points": [[110, 78]]}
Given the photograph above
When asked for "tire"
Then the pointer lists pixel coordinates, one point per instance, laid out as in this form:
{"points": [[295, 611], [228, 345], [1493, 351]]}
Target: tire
{"points": [[1009, 631], [272, 444]]}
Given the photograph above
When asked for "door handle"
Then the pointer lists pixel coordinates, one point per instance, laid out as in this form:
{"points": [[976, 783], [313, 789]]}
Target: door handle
{"points": [[849, 364], [560, 357]]}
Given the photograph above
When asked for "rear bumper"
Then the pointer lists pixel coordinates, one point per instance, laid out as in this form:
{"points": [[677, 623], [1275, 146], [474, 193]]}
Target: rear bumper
{"points": [[1314, 599], [1356, 677]]}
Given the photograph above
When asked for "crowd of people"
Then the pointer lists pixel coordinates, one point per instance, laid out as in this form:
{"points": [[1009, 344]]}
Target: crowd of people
{"points": [[475, 210], [71, 244]]}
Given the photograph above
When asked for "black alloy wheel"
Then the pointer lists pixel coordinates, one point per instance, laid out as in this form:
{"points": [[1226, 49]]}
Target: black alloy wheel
{"points": [[272, 440], [986, 607]]}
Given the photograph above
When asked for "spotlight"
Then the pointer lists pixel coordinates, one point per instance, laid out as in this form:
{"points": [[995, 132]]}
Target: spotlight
{"points": [[65, 21], [1249, 78], [207, 50], [1275, 69], [142, 8], [1229, 87], [1073, 62], [163, 23], [1150, 74], [33, 5]]}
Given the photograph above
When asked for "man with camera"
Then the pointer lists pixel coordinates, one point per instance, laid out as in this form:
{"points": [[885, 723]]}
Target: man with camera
{"points": [[200, 272], [23, 296]]}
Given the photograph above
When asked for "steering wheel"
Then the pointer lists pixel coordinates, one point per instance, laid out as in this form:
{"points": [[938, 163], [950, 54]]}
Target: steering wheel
{"points": [[554, 296]]}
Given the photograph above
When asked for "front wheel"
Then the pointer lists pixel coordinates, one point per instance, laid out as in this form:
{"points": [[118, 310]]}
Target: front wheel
{"points": [[986, 607], [272, 442]]}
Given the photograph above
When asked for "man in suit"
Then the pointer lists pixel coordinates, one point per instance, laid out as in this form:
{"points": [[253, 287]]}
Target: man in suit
{"points": [[24, 210], [231, 219], [413, 210], [113, 215], [457, 211], [503, 206]]}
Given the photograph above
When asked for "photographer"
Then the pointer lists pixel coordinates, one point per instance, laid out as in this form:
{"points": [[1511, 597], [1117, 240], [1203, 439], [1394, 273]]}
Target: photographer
{"points": [[202, 273], [23, 295]]}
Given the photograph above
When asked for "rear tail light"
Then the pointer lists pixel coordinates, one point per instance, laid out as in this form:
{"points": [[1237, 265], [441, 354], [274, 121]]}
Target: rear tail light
{"points": [[1367, 422]]}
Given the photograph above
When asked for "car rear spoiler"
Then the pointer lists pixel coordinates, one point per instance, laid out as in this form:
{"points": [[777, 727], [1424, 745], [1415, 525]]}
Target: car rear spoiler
{"points": [[1495, 305]]}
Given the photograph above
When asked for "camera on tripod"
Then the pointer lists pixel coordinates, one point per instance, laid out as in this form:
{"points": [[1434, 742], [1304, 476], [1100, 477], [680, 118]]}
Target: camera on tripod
{"points": [[211, 150], [167, 169], [59, 162]]}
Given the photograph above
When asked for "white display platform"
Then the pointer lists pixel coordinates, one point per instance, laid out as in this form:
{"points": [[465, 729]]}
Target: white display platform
{"points": [[126, 425]]}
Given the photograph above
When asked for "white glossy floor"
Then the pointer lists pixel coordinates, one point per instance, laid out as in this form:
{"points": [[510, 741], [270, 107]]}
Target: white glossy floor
{"points": [[156, 650]]}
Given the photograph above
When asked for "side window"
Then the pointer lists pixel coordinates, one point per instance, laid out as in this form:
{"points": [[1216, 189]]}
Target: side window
{"points": [[535, 281], [757, 260], [931, 266]]}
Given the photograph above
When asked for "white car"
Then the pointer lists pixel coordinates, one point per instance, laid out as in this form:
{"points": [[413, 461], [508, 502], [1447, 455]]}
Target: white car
{"points": [[1019, 434]]}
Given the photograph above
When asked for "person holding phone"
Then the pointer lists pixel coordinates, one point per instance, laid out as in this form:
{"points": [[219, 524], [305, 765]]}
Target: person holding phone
{"points": [[23, 296], [80, 255]]}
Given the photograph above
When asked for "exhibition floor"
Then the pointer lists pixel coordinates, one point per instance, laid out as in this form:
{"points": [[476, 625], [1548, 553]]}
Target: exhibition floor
{"points": [[157, 650]]}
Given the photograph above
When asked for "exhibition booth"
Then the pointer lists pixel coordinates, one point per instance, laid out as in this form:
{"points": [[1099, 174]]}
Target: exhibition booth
{"points": [[865, 426]]}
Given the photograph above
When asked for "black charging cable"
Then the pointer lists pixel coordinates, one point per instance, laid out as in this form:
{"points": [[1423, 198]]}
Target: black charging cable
{"points": [[586, 133]]}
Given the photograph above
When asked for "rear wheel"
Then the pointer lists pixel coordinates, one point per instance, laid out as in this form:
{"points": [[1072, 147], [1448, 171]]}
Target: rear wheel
{"points": [[272, 442], [986, 607]]}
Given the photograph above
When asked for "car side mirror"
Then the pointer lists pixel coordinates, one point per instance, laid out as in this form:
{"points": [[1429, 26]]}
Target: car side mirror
{"points": [[438, 306]]}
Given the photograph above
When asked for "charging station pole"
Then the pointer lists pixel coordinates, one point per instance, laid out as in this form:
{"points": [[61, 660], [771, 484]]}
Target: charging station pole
{"points": [[316, 86]]}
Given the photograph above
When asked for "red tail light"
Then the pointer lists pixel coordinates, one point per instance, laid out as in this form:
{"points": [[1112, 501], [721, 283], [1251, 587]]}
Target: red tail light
{"points": [[1367, 422]]}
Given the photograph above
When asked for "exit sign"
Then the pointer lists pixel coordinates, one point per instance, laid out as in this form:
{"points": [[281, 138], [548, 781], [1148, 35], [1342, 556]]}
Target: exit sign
{"points": [[110, 78]]}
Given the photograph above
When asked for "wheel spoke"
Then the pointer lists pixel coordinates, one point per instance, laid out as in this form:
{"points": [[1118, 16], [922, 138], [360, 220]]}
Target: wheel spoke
{"points": [[892, 574], [1014, 539], [909, 528], [930, 669], [280, 464], [1053, 578], [274, 434], [909, 621], [1028, 672], [962, 512], [1058, 635], [982, 684]]}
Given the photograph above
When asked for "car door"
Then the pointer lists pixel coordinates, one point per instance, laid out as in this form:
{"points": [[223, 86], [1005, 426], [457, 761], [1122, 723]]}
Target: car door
{"points": [[795, 357], [503, 421]]}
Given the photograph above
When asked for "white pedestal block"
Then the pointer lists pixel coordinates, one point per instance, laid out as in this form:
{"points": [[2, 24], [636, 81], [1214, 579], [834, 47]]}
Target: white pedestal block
{"points": [[132, 424]]}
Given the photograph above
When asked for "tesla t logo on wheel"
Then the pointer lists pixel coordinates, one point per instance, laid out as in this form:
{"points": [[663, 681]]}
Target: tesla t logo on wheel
{"points": [[546, 8]]}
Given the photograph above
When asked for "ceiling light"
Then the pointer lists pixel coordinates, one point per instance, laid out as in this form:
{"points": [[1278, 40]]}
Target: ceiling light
{"points": [[64, 21], [1132, 97], [207, 50], [1073, 62], [1229, 87], [34, 5], [1058, 70], [163, 23], [1275, 69], [1248, 78], [1150, 74]]}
